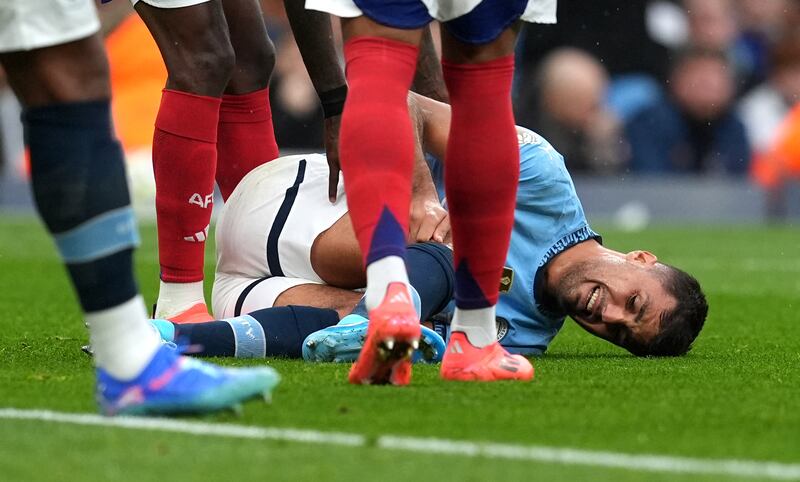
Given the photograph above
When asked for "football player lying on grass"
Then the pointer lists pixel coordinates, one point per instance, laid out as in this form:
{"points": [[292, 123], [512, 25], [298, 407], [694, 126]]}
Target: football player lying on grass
{"points": [[288, 265]]}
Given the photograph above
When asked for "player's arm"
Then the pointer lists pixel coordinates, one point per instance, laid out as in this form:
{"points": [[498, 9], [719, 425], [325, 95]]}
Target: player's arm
{"points": [[428, 79], [314, 36], [434, 118], [428, 219]]}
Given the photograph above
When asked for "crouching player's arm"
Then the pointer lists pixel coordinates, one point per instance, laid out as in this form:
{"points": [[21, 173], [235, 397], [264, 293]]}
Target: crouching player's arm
{"points": [[428, 220]]}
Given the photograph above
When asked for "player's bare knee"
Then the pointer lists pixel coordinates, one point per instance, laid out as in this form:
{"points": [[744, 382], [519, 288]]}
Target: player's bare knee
{"points": [[204, 70], [195, 44], [253, 68]]}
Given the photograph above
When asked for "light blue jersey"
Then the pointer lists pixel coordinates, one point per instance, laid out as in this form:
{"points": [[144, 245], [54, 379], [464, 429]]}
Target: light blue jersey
{"points": [[548, 219]]}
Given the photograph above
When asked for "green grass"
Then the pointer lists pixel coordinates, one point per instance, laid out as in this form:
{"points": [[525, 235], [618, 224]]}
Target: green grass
{"points": [[736, 395]]}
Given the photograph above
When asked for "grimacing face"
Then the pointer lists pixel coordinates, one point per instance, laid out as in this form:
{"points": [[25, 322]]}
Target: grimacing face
{"points": [[616, 296]]}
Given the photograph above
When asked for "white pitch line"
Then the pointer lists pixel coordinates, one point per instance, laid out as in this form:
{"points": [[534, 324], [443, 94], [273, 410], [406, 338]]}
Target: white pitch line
{"points": [[564, 456], [616, 460], [181, 426]]}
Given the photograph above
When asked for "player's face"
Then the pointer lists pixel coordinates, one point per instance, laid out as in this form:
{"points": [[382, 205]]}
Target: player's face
{"points": [[617, 297]]}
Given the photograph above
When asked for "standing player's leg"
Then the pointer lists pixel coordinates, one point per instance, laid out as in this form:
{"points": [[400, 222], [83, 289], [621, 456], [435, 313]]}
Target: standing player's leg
{"points": [[245, 138], [196, 49], [81, 192], [482, 140], [376, 148]]}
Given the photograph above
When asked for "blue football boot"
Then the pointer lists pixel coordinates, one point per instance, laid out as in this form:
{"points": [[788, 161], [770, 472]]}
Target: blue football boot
{"points": [[174, 384], [343, 342]]}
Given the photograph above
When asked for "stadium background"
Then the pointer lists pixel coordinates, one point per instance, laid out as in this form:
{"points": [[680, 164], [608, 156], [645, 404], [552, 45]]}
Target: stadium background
{"points": [[585, 84]]}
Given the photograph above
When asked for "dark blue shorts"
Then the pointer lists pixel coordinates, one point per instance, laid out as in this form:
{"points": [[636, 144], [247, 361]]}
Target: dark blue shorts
{"points": [[482, 25]]}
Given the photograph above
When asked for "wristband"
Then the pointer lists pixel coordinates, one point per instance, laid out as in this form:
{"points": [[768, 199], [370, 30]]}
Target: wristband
{"points": [[333, 101]]}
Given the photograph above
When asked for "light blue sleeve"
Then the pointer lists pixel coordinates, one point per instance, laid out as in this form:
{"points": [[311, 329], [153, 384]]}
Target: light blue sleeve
{"points": [[545, 187]]}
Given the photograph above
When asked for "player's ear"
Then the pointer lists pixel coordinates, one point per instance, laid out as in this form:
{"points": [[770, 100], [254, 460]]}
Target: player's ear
{"points": [[645, 257]]}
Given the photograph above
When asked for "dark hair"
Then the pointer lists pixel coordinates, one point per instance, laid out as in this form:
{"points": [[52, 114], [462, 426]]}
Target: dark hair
{"points": [[680, 326]]}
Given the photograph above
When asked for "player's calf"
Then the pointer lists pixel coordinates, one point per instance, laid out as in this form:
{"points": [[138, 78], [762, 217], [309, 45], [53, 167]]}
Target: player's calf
{"points": [[81, 193]]}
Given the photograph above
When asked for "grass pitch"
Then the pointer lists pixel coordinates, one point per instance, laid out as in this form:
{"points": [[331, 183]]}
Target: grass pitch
{"points": [[735, 396]]}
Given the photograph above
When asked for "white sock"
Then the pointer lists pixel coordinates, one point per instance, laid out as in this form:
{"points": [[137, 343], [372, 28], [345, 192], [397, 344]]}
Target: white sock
{"points": [[123, 341], [175, 298], [479, 325], [390, 269]]}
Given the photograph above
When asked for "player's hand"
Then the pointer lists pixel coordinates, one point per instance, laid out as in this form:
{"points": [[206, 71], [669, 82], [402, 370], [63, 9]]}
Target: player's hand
{"points": [[332, 152], [429, 221], [442, 233]]}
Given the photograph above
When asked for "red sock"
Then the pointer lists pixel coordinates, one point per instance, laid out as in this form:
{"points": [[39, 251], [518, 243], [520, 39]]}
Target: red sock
{"points": [[184, 161], [245, 139], [376, 143], [481, 172]]}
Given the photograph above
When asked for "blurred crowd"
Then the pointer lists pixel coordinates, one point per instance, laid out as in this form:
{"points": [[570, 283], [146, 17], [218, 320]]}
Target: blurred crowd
{"points": [[639, 86], [659, 86], [618, 86]]}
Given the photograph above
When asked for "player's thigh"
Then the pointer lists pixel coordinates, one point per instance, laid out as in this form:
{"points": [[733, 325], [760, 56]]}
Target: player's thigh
{"points": [[194, 44], [71, 72], [50, 50], [320, 296], [461, 52], [234, 295], [255, 54], [336, 256]]}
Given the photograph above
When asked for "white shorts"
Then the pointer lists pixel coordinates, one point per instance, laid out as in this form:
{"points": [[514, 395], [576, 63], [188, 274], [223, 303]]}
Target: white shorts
{"points": [[267, 228], [35, 24], [170, 3], [236, 295]]}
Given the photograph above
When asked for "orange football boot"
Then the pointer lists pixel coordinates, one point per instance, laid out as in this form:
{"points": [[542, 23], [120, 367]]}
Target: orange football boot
{"points": [[465, 362], [392, 336], [197, 313]]}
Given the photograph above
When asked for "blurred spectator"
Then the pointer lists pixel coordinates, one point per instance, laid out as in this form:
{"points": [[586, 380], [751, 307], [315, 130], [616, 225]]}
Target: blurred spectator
{"points": [[613, 31], [762, 23], [620, 36], [296, 112], [714, 25], [567, 108], [694, 128], [765, 107]]}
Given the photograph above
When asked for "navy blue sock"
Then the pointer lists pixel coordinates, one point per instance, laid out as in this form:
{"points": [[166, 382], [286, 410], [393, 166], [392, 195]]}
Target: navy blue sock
{"points": [[276, 331], [431, 273], [81, 192]]}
